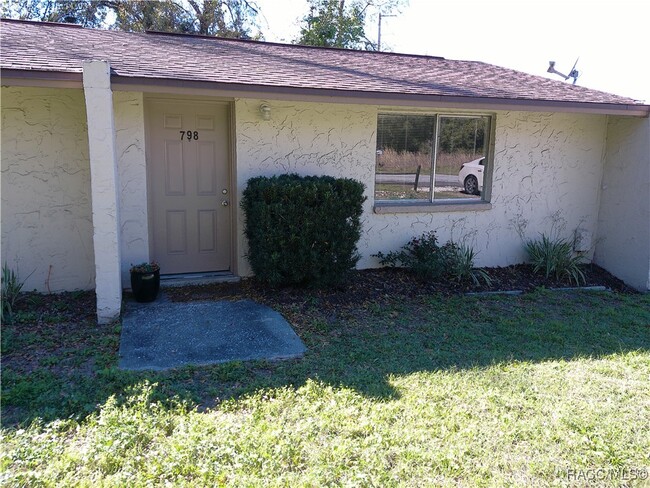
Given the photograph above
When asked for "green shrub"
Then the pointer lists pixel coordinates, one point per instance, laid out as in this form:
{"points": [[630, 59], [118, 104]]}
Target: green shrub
{"points": [[11, 288], [421, 255], [302, 230], [555, 258], [429, 261]]}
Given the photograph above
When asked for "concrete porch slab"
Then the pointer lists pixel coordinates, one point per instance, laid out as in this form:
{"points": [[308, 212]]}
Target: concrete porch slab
{"points": [[164, 335]]}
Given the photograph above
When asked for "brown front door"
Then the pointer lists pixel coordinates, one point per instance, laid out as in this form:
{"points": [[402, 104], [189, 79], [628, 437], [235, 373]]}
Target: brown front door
{"points": [[190, 185]]}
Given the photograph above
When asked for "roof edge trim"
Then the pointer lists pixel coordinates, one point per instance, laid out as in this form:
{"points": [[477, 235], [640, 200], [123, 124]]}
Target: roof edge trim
{"points": [[121, 83], [383, 98], [49, 79]]}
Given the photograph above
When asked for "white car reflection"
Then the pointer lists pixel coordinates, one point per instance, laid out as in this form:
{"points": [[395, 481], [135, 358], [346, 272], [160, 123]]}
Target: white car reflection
{"points": [[471, 176]]}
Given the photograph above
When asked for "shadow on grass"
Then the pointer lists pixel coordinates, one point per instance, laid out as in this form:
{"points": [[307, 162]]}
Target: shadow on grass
{"points": [[358, 348]]}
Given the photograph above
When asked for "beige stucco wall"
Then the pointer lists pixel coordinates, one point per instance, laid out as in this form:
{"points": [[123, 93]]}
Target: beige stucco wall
{"points": [[548, 169], [623, 244], [547, 172], [547, 176], [131, 163], [46, 209]]}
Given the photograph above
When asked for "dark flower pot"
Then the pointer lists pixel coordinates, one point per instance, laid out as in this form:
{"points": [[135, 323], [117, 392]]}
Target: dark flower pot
{"points": [[145, 286]]}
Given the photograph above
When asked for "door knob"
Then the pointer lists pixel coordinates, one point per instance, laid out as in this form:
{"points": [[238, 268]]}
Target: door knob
{"points": [[225, 203]]}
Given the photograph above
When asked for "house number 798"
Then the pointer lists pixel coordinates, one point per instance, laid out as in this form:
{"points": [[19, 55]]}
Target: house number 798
{"points": [[189, 135]]}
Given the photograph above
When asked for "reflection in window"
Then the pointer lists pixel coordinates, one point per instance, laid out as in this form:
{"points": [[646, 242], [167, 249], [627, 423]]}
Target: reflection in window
{"points": [[430, 157]]}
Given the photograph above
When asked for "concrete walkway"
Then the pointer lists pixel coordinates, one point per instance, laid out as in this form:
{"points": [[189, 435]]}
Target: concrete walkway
{"points": [[163, 335]]}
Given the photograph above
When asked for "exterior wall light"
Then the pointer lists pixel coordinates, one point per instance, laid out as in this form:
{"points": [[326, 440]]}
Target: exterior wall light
{"points": [[265, 110]]}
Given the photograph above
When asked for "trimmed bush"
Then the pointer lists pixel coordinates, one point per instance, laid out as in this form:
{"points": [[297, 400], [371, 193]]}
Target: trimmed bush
{"points": [[302, 230]]}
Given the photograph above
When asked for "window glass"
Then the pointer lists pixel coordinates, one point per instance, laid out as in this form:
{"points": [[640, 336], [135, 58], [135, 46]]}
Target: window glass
{"points": [[414, 151], [404, 157], [461, 149]]}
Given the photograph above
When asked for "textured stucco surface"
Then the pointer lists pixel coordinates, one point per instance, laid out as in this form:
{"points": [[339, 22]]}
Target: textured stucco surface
{"points": [[623, 244], [308, 139], [131, 162], [547, 173], [46, 209], [548, 170]]}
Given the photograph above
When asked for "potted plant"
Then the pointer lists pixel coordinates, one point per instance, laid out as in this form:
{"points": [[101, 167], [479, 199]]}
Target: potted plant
{"points": [[145, 281]]}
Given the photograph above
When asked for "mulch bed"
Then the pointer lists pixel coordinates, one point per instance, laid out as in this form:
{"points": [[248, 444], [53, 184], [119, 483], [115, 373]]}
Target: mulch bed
{"points": [[369, 285], [363, 287], [60, 308]]}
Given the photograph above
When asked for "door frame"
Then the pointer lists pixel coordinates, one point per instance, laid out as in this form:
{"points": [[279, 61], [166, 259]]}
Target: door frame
{"points": [[232, 167]]}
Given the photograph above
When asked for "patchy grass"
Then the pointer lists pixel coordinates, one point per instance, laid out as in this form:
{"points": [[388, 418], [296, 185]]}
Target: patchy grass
{"points": [[396, 191], [391, 161], [413, 390]]}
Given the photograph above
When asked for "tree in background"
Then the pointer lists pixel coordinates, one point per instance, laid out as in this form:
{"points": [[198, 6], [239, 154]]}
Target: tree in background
{"points": [[335, 23], [330, 23], [226, 18], [162, 16], [86, 13]]}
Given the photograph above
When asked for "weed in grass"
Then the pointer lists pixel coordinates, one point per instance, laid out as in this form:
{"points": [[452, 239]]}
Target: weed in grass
{"points": [[61, 305], [36, 300], [320, 325], [25, 316], [228, 372], [49, 361], [54, 319], [375, 308]]}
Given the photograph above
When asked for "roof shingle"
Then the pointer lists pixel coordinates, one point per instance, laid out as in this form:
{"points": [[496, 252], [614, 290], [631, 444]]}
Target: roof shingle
{"points": [[63, 48]]}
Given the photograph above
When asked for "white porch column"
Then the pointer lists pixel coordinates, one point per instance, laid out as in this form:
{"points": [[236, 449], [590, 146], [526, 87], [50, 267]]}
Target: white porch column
{"points": [[104, 188]]}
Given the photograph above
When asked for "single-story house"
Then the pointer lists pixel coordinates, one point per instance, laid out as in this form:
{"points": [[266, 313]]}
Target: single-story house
{"points": [[119, 148]]}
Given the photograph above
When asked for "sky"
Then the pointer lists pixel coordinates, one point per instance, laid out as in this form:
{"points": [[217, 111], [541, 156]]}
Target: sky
{"points": [[610, 38]]}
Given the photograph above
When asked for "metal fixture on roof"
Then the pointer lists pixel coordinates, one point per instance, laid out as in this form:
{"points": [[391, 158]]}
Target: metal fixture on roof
{"points": [[265, 110], [381, 16], [574, 73]]}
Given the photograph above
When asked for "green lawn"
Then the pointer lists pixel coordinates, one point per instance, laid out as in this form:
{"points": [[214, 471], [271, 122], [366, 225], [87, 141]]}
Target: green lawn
{"points": [[540, 389]]}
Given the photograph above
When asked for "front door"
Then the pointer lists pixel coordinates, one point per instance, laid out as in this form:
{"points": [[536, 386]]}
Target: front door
{"points": [[189, 185]]}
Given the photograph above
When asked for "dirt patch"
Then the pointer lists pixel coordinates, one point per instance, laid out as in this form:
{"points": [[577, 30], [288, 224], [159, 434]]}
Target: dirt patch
{"points": [[50, 331]]}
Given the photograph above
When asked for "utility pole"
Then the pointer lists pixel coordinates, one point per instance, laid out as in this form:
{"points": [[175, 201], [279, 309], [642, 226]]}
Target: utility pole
{"points": [[379, 30]]}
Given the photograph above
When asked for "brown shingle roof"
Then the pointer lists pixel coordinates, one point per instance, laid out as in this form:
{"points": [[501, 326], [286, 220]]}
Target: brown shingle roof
{"points": [[63, 48]]}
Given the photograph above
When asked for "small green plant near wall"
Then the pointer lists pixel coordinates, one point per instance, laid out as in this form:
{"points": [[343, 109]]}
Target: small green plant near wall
{"points": [[302, 230], [462, 266], [429, 261], [11, 288], [151, 267], [423, 256], [555, 259]]}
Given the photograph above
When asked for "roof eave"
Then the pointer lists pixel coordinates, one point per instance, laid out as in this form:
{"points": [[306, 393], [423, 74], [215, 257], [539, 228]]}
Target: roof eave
{"points": [[379, 98], [30, 77], [240, 90]]}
